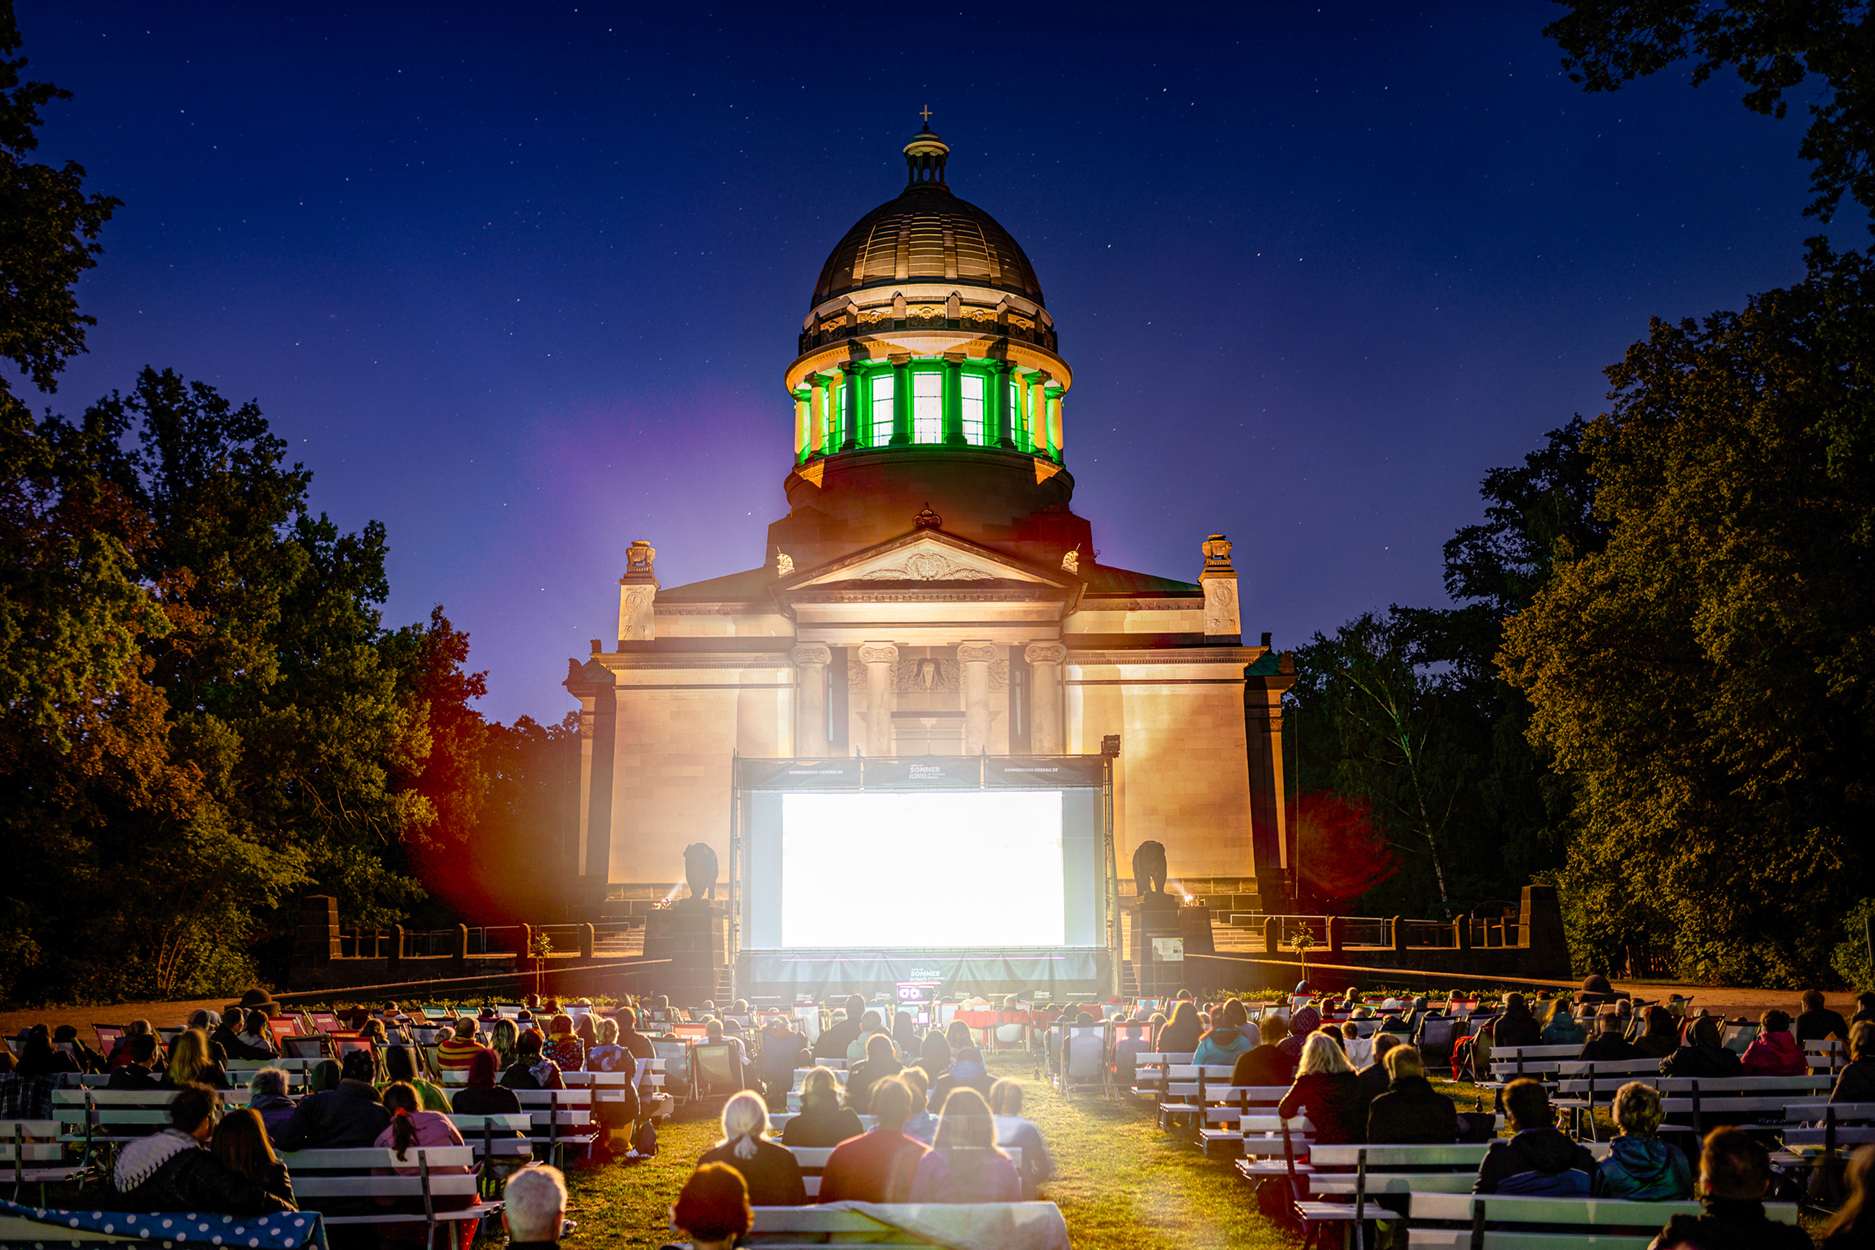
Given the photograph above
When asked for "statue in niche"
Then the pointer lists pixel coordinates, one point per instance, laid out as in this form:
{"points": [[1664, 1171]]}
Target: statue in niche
{"points": [[700, 872]]}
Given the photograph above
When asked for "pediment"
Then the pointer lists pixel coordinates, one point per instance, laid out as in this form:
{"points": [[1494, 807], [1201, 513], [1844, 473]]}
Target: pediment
{"points": [[925, 558]]}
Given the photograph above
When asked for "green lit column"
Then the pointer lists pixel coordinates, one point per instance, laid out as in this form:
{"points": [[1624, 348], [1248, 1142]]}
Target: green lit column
{"points": [[901, 402], [849, 407], [800, 424], [999, 404], [953, 402], [1051, 400]]}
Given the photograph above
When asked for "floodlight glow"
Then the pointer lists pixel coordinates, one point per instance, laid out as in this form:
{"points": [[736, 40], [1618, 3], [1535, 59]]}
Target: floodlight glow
{"points": [[881, 869]]}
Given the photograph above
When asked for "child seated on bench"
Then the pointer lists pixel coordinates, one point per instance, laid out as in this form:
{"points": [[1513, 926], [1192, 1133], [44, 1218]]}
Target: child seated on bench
{"points": [[1734, 1175]]}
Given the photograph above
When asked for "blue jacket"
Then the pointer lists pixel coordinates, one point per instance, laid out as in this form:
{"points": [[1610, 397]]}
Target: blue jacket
{"points": [[1221, 1047], [1541, 1162], [1646, 1169]]}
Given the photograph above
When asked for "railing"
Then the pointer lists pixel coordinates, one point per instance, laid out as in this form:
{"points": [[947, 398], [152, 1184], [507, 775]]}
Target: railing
{"points": [[1387, 932], [1434, 933], [366, 943], [1366, 931]]}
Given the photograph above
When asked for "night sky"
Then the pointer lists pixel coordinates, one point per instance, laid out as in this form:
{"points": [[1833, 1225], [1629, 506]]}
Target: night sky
{"points": [[521, 280]]}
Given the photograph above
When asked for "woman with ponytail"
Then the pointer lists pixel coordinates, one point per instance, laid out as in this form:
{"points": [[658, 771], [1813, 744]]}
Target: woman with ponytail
{"points": [[769, 1170], [412, 1126]]}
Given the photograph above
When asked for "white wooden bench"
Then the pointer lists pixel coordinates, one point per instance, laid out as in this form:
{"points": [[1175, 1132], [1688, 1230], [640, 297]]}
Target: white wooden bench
{"points": [[1225, 1106], [1150, 1072], [503, 1135], [562, 1118], [789, 1228], [1185, 1086], [36, 1143], [1504, 1222], [332, 1177], [812, 1160]]}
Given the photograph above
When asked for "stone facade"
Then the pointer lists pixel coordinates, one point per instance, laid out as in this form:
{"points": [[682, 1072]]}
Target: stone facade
{"points": [[931, 592]]}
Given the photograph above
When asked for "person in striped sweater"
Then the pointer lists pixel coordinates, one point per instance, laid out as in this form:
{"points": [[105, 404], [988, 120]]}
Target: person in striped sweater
{"points": [[455, 1054]]}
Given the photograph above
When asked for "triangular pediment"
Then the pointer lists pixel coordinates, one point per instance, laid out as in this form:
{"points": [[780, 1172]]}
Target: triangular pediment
{"points": [[925, 557]]}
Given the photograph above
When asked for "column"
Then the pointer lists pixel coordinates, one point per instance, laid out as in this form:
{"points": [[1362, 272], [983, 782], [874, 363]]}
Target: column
{"points": [[881, 661], [849, 409], [1038, 416], [974, 659], [1053, 400], [1001, 431], [816, 415], [800, 424], [901, 401], [810, 699], [953, 402], [1045, 696]]}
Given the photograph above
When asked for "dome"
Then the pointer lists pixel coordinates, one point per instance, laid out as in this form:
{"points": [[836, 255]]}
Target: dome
{"points": [[927, 234]]}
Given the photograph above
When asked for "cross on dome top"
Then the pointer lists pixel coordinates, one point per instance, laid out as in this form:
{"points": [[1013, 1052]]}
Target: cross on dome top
{"points": [[925, 155]]}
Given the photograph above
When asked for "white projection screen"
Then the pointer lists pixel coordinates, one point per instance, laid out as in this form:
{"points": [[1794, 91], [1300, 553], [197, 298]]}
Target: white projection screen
{"points": [[897, 868], [944, 869]]}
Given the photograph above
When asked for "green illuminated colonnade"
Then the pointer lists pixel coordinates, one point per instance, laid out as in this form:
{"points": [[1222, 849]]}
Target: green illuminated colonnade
{"points": [[974, 403]]}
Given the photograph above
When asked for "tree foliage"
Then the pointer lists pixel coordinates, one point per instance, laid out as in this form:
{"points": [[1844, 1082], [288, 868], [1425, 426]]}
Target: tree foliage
{"points": [[1824, 47], [1704, 681]]}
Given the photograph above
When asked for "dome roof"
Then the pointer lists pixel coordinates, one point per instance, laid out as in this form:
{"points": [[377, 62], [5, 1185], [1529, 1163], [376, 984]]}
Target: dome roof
{"points": [[927, 234]]}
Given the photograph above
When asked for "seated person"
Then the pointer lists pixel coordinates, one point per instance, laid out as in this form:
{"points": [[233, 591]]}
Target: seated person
{"points": [[964, 1163], [877, 1166], [1539, 1159], [140, 1072], [714, 1035], [563, 1045], [1181, 1033], [967, 1072], [1734, 1176], [481, 1096], [1517, 1026], [349, 1115], [631, 1039], [531, 1069], [1857, 1082], [1817, 1021], [783, 1050], [1774, 1052], [411, 1126], [255, 1037], [192, 1063], [533, 1207], [1328, 1092], [241, 1145], [1660, 1036], [1640, 1167], [834, 1040], [172, 1171], [823, 1121], [1012, 1130], [881, 1061], [453, 1053], [1228, 1038], [268, 1097], [1864, 1008], [1609, 1044], [1264, 1063], [871, 1025], [400, 1064], [1374, 1077], [920, 1123], [1563, 1028], [1411, 1110], [1703, 1054], [712, 1210], [769, 1170]]}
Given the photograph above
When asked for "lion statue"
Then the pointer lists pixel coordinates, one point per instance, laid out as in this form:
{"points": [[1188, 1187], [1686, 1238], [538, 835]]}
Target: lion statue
{"points": [[1149, 869], [700, 870]]}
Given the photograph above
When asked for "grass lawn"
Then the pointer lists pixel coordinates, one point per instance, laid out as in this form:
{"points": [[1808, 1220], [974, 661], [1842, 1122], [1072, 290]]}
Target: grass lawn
{"points": [[1120, 1182]]}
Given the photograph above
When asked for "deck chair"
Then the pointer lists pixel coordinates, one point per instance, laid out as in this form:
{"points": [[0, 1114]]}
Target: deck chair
{"points": [[1084, 1059], [303, 1047], [718, 1073]]}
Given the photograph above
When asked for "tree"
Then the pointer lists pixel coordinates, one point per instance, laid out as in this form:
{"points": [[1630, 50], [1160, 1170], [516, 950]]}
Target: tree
{"points": [[49, 232], [1704, 680], [1774, 47]]}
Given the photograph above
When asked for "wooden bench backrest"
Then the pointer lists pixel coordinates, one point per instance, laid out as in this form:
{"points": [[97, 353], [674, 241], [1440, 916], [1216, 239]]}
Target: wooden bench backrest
{"points": [[1580, 1212]]}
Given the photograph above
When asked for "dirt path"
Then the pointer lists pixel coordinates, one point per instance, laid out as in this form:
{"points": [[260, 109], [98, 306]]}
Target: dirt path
{"points": [[162, 1015], [1727, 1002]]}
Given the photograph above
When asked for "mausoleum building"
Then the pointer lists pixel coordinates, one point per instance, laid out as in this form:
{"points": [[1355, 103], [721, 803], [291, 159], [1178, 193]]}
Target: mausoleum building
{"points": [[931, 590]]}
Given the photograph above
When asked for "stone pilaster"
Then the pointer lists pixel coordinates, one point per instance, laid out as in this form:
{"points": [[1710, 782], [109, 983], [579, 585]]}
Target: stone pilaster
{"points": [[1045, 659], [881, 661], [810, 694], [974, 659]]}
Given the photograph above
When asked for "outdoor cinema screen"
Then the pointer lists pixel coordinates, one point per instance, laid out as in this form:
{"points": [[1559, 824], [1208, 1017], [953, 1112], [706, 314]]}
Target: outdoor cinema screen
{"points": [[937, 869]]}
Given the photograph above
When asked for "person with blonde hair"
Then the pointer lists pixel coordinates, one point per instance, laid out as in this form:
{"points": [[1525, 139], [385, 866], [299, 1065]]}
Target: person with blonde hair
{"points": [[1639, 1165], [823, 1122], [964, 1163], [1328, 1091], [1012, 1130], [1857, 1082], [190, 1062], [769, 1170], [1411, 1110]]}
